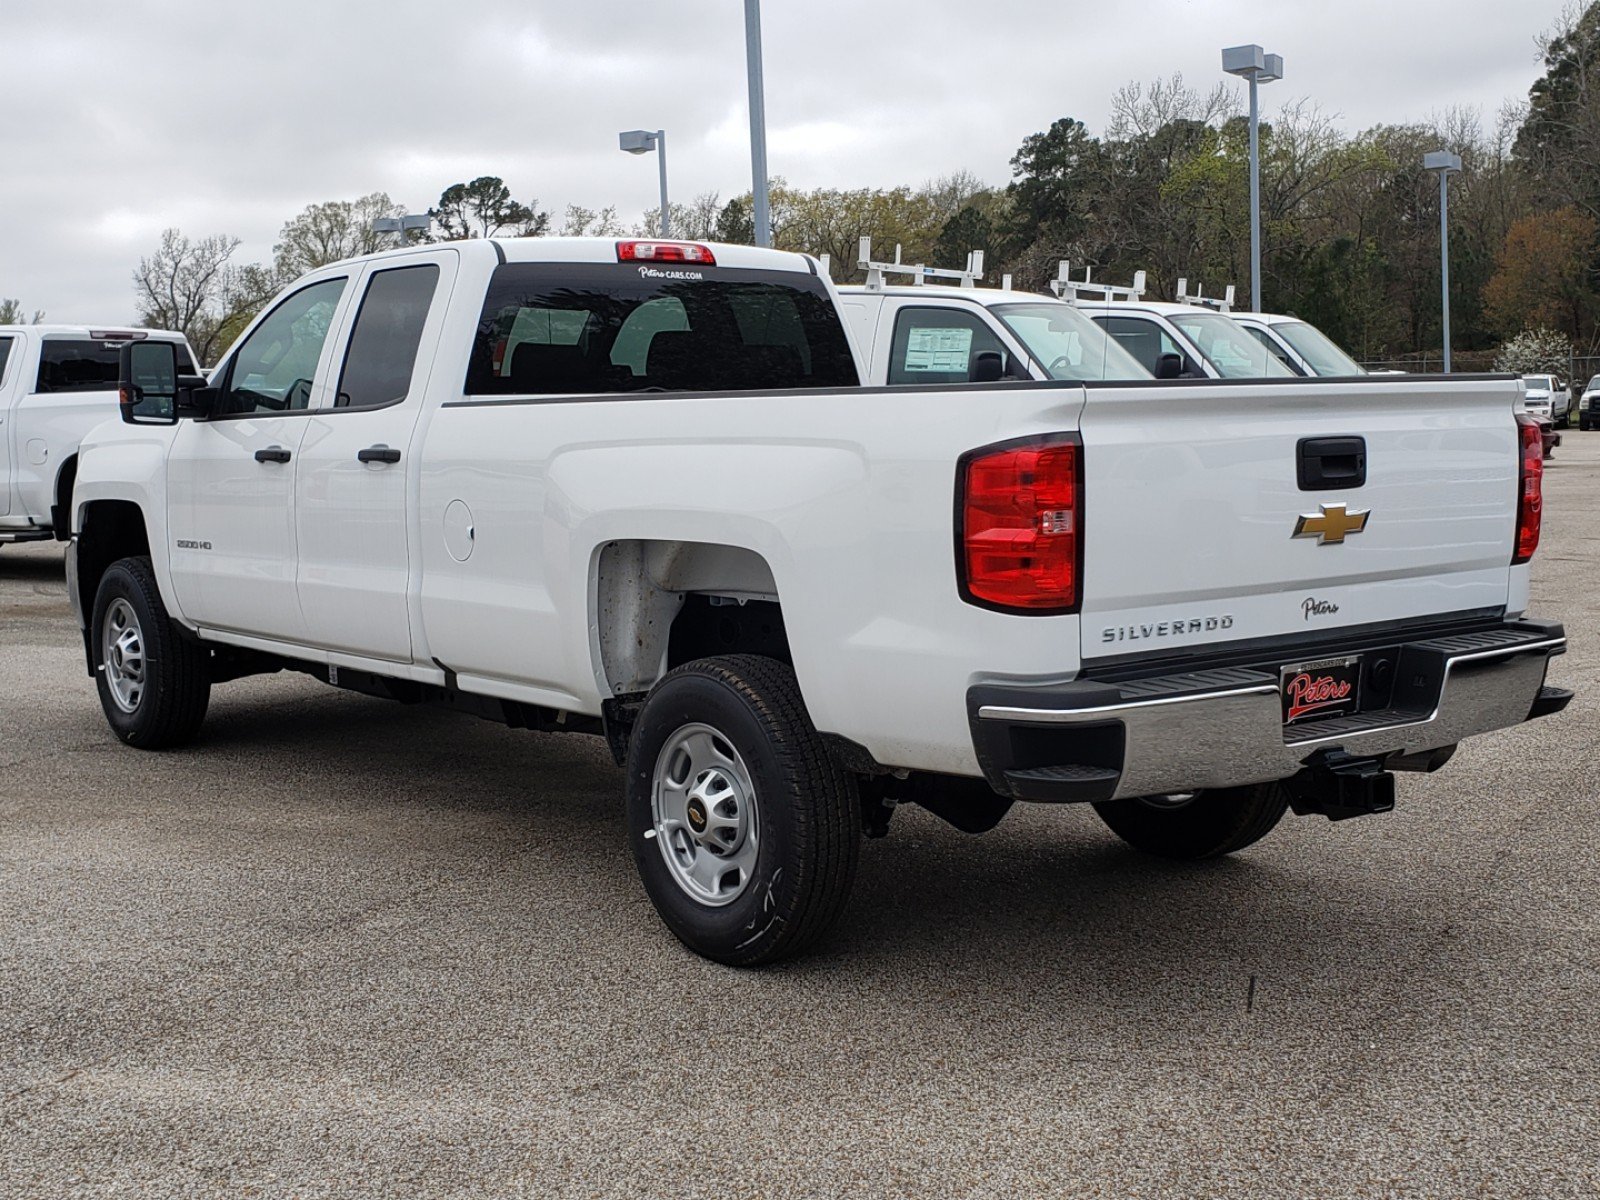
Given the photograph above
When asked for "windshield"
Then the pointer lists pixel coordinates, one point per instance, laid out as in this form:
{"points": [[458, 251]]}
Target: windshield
{"points": [[1232, 351], [1541, 382], [1317, 348], [1067, 344]]}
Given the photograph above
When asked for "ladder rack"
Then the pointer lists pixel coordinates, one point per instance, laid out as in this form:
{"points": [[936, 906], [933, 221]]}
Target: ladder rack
{"points": [[920, 274], [1223, 303], [1071, 290]]}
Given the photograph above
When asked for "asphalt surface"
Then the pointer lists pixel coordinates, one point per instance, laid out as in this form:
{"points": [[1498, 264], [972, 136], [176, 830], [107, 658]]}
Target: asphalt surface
{"points": [[343, 948]]}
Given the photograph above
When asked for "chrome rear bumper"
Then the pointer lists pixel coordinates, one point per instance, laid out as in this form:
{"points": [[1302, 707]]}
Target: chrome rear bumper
{"points": [[1224, 727]]}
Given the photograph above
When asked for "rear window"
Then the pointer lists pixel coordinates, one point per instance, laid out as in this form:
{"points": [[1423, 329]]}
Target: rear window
{"points": [[591, 328], [82, 365]]}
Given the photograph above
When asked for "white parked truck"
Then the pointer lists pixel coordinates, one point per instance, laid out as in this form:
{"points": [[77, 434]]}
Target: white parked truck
{"points": [[635, 488], [57, 382]]}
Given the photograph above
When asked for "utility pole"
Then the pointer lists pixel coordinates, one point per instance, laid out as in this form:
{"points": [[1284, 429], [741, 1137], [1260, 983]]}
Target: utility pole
{"points": [[758, 123]]}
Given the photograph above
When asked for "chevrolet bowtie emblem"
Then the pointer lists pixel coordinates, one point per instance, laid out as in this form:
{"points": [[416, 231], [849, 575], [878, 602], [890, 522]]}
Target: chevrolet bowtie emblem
{"points": [[1331, 524]]}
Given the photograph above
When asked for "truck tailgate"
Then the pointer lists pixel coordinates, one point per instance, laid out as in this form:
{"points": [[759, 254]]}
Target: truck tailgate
{"points": [[1194, 495]]}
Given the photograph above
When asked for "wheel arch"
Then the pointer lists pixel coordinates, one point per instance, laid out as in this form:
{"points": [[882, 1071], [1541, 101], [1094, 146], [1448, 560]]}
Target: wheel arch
{"points": [[657, 603], [108, 530]]}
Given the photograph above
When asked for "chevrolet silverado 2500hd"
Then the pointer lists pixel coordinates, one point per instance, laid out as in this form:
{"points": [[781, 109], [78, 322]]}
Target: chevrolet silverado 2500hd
{"points": [[57, 382], [634, 488]]}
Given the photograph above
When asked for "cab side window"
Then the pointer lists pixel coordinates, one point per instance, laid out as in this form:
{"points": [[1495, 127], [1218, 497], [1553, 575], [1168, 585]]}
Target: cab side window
{"points": [[388, 333], [1143, 339], [940, 345], [273, 370], [5, 356]]}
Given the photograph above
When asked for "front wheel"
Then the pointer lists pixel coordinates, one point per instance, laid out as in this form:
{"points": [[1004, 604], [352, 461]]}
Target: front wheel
{"points": [[153, 682], [1197, 824], [744, 829]]}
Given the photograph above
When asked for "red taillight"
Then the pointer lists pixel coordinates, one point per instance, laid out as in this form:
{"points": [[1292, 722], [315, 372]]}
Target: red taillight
{"points": [[678, 252], [1530, 488], [1021, 510]]}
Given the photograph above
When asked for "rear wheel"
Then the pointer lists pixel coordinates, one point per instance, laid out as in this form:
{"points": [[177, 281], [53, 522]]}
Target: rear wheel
{"points": [[153, 681], [1197, 824], [744, 829]]}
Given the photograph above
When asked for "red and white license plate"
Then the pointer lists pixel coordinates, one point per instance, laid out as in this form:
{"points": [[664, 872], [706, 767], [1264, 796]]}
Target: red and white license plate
{"points": [[1330, 687]]}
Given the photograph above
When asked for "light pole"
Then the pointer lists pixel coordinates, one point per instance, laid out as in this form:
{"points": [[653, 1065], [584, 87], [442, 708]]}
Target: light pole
{"points": [[401, 225], [642, 141], [1446, 164], [761, 214], [1254, 64]]}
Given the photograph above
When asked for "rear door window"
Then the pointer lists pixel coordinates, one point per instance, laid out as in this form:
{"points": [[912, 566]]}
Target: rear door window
{"points": [[383, 347], [1272, 348], [598, 328], [1143, 339], [5, 356]]}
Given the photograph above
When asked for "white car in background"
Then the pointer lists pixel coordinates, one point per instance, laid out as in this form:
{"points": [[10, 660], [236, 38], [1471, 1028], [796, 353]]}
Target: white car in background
{"points": [[1298, 345], [1547, 396], [57, 382], [1589, 405]]}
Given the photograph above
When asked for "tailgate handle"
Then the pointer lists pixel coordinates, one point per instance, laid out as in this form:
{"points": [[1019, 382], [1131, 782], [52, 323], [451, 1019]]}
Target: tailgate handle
{"points": [[1331, 462]]}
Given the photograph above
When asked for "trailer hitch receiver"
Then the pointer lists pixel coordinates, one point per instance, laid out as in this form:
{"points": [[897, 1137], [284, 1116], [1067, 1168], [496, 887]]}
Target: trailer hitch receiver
{"points": [[1340, 786]]}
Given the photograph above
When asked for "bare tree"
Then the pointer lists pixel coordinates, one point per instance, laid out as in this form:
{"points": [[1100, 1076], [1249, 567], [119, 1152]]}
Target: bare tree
{"points": [[696, 220], [11, 314], [192, 286], [327, 232], [586, 222], [1141, 109]]}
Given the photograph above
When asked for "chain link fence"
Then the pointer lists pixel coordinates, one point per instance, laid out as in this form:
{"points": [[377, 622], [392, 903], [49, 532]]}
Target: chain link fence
{"points": [[1580, 367]]}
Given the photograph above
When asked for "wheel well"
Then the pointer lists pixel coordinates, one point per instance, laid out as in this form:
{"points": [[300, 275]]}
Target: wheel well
{"points": [[112, 529], [65, 478], [662, 603]]}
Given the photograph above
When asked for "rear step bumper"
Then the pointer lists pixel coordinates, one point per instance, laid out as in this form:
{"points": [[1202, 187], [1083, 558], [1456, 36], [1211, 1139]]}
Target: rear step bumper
{"points": [[1090, 741]]}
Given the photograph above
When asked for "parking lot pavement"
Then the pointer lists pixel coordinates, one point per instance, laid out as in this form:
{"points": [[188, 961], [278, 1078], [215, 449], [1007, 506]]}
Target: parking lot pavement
{"points": [[342, 947]]}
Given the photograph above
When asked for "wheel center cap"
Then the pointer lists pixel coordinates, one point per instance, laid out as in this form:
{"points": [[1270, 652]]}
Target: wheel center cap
{"points": [[697, 815]]}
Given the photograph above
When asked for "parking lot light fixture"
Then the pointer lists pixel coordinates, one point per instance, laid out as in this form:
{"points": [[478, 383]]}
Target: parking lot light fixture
{"points": [[642, 141], [1446, 164], [402, 225], [1257, 66]]}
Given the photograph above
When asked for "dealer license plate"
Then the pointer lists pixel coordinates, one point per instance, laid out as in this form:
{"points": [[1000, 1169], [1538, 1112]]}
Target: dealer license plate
{"points": [[1330, 687]]}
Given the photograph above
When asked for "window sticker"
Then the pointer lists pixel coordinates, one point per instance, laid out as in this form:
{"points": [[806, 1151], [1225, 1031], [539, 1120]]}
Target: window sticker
{"points": [[938, 348]]}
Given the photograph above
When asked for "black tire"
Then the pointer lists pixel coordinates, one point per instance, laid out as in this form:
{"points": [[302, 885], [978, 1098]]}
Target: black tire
{"points": [[1583, 425], [806, 809], [1212, 824], [168, 708]]}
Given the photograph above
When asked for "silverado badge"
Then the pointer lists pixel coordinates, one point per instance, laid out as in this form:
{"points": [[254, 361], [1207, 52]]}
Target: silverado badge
{"points": [[1331, 524]]}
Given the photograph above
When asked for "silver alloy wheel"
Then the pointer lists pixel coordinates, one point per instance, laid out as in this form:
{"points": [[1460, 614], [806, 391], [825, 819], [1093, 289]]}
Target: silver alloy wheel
{"points": [[122, 655], [703, 813]]}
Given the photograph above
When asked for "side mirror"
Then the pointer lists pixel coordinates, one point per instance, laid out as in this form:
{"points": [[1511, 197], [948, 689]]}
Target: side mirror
{"points": [[988, 367], [1169, 366], [147, 383]]}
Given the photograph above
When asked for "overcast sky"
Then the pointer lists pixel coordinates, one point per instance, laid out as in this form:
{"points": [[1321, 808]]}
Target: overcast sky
{"points": [[229, 116]]}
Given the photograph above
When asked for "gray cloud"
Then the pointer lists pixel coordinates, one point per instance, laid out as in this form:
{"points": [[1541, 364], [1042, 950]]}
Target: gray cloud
{"points": [[231, 117]]}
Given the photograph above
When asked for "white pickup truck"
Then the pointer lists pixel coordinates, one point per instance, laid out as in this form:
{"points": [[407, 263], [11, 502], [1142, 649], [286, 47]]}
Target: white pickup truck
{"points": [[931, 333], [57, 382], [634, 488]]}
